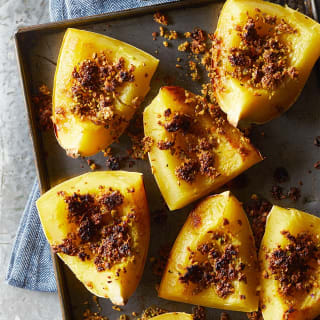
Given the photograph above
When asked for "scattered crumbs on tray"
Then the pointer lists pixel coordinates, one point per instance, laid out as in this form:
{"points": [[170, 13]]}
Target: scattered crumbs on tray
{"points": [[257, 210], [316, 141], [113, 163], [42, 101], [224, 316], [199, 313], [160, 18], [93, 166], [159, 262], [151, 312], [116, 308], [317, 165], [278, 193], [256, 315], [89, 315]]}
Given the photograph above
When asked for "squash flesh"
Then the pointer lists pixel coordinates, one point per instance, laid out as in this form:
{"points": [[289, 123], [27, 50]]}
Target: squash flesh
{"points": [[229, 160], [210, 215], [254, 105], [53, 215], [275, 305], [82, 136]]}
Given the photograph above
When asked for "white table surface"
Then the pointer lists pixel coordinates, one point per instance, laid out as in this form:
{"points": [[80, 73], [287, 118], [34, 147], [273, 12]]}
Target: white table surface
{"points": [[17, 169]]}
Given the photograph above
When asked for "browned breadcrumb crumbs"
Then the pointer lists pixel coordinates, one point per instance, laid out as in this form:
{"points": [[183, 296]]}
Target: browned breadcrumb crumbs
{"points": [[107, 243], [257, 209], [113, 163], [93, 166], [116, 308], [184, 46], [160, 18], [224, 316], [151, 312], [42, 103], [198, 313], [317, 165], [261, 60], [165, 44], [277, 193], [198, 153], [195, 73], [158, 263], [316, 141], [95, 85], [218, 268], [140, 145], [123, 317], [89, 315], [293, 265], [256, 315], [294, 193]]}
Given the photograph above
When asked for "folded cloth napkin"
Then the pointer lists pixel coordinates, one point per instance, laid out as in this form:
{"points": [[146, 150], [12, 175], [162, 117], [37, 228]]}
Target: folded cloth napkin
{"points": [[30, 265]]}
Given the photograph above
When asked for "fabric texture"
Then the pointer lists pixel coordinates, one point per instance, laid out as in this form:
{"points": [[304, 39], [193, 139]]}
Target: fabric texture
{"points": [[30, 265], [68, 9]]}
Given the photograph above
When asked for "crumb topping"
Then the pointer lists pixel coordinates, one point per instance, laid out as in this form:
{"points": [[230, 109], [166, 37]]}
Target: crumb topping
{"points": [[218, 268], [292, 265], [100, 232], [193, 143], [262, 58], [95, 87]]}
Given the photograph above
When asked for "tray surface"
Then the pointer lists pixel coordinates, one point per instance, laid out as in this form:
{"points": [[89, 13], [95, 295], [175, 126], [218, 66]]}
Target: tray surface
{"points": [[286, 141]]}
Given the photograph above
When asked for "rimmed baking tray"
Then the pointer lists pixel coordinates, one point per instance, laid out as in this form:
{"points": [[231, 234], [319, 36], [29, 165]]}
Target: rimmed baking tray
{"points": [[286, 141]]}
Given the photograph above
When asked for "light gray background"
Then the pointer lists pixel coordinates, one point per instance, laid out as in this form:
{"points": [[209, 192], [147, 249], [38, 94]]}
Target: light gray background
{"points": [[17, 169]]}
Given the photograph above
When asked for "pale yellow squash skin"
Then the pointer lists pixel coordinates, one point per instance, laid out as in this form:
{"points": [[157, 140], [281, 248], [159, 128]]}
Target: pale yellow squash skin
{"points": [[83, 137], [207, 216], [230, 161], [253, 105], [53, 215], [173, 316], [306, 306]]}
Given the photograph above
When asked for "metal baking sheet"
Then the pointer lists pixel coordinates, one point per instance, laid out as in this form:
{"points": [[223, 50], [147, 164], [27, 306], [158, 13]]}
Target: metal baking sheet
{"points": [[286, 141]]}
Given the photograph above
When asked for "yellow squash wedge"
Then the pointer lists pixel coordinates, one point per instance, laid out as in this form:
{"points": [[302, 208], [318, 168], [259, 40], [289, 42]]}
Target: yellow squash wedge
{"points": [[213, 262], [194, 150], [290, 265], [98, 85], [263, 56], [98, 223]]}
